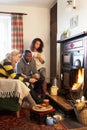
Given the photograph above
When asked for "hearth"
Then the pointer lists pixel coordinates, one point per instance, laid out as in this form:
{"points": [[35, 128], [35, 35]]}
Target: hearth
{"points": [[73, 70]]}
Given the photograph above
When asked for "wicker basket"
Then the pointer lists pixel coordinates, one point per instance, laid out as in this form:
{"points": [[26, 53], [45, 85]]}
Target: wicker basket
{"points": [[82, 115]]}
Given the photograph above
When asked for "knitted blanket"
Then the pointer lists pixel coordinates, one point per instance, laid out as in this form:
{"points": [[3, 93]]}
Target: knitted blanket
{"points": [[13, 88]]}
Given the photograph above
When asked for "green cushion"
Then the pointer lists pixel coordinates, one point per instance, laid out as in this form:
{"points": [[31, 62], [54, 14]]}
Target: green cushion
{"points": [[9, 104]]}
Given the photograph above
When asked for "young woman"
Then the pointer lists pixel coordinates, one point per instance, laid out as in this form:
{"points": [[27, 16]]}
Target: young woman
{"points": [[7, 71], [38, 54]]}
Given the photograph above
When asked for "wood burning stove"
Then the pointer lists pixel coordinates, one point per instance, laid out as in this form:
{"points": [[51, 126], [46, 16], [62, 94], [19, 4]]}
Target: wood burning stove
{"points": [[73, 63]]}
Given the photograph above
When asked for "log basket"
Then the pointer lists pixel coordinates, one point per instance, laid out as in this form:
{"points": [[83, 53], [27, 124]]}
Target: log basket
{"points": [[81, 112], [82, 115]]}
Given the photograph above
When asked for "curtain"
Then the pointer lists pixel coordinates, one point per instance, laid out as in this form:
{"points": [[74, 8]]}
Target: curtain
{"points": [[17, 32]]}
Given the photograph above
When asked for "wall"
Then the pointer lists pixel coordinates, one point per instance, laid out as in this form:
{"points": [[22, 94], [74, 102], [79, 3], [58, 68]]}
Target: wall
{"points": [[36, 24], [65, 14]]}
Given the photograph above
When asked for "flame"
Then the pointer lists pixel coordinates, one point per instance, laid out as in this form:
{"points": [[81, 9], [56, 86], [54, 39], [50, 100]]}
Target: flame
{"points": [[80, 80], [80, 75]]}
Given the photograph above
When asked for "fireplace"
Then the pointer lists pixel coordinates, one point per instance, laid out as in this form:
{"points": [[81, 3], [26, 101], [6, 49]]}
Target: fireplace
{"points": [[72, 78], [73, 60]]}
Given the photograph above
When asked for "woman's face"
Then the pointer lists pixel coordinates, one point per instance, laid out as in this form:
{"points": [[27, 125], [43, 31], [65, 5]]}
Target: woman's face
{"points": [[16, 58], [37, 45]]}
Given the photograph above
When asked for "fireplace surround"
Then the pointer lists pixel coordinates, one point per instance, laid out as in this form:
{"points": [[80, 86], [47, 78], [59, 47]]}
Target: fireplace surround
{"points": [[73, 62]]}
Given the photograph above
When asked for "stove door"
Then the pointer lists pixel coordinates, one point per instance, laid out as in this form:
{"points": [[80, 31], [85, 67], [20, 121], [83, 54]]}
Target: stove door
{"points": [[67, 78]]}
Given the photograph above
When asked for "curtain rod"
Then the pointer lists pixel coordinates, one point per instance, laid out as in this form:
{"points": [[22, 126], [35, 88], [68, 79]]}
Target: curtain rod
{"points": [[12, 13]]}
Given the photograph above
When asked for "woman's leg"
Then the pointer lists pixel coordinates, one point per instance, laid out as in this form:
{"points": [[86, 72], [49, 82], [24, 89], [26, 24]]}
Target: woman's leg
{"points": [[42, 72], [44, 87], [34, 94]]}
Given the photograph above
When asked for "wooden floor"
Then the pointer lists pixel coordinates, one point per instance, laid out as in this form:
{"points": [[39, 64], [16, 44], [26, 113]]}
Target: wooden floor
{"points": [[70, 118], [73, 124]]}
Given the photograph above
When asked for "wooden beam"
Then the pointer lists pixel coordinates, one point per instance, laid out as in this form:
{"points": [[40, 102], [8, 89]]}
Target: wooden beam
{"points": [[13, 13]]}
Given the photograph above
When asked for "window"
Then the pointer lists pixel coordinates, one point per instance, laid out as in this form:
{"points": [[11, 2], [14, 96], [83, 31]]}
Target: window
{"points": [[5, 35]]}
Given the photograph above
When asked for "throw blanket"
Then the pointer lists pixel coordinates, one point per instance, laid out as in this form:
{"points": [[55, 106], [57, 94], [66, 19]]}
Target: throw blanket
{"points": [[13, 88]]}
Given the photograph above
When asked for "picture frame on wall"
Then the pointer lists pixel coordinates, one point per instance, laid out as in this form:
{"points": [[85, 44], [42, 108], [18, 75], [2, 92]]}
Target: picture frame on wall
{"points": [[74, 22]]}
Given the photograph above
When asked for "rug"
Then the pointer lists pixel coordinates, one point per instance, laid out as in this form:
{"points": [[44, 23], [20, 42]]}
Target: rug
{"points": [[11, 122]]}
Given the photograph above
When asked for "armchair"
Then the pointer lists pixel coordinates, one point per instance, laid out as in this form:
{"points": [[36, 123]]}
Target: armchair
{"points": [[12, 92], [10, 104]]}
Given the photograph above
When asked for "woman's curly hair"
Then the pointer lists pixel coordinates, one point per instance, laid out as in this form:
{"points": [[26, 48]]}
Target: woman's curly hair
{"points": [[40, 49]]}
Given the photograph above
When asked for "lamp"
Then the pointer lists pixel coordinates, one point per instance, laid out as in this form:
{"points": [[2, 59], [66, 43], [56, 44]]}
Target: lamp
{"points": [[74, 4], [71, 3]]}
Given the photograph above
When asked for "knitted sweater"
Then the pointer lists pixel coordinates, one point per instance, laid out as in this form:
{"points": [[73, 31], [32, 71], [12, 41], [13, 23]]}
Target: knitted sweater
{"points": [[7, 70]]}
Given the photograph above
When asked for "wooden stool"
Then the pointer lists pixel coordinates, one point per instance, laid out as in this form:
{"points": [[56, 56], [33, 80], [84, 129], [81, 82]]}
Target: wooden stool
{"points": [[40, 117]]}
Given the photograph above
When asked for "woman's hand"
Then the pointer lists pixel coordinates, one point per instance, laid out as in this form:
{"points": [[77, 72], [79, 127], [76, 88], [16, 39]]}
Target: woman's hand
{"points": [[32, 80], [38, 55], [36, 76]]}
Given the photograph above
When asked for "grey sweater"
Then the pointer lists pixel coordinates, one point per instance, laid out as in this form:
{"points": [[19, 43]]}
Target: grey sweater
{"points": [[26, 68]]}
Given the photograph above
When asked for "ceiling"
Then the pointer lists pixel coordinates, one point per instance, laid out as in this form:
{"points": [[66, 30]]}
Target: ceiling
{"points": [[40, 3]]}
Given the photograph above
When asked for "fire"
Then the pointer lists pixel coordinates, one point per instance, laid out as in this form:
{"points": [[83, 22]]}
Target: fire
{"points": [[80, 75], [80, 80]]}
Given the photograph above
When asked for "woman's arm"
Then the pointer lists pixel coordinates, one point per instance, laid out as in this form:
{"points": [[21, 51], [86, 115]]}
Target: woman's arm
{"points": [[41, 58]]}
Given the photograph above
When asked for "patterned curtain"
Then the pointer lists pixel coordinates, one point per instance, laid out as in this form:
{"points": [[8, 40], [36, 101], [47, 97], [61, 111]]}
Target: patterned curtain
{"points": [[17, 32]]}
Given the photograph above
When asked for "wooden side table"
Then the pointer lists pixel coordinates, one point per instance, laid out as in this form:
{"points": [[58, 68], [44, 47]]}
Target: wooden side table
{"points": [[40, 117]]}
